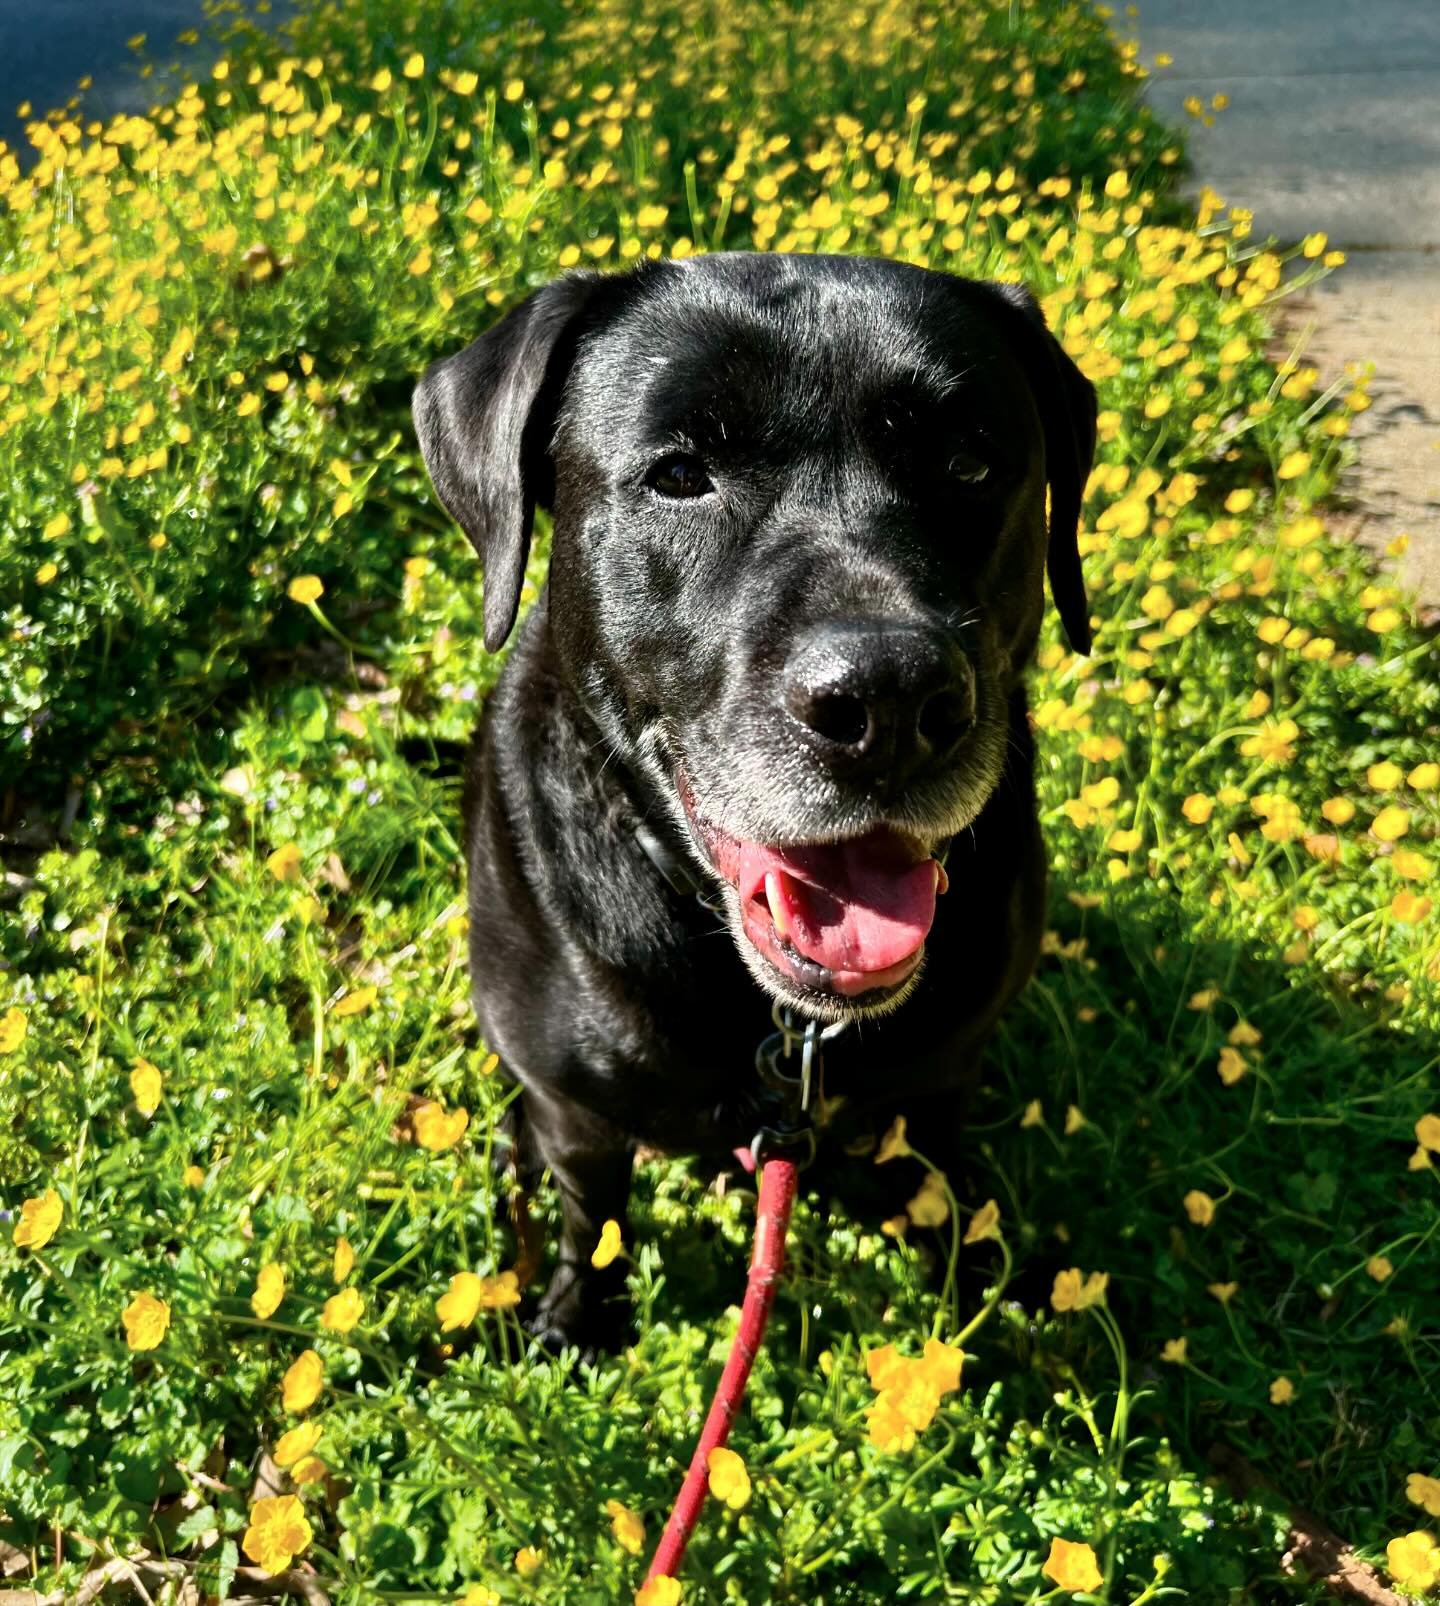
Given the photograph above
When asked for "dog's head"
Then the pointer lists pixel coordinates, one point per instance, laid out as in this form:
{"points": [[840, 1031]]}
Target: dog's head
{"points": [[800, 528]]}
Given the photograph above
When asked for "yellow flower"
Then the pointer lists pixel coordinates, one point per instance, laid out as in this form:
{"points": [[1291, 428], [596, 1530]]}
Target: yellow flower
{"points": [[1206, 999], [1231, 1066], [1338, 810], [39, 1221], [609, 1246], [1200, 1207], [890, 1431], [1424, 777], [460, 1305], [1424, 1492], [501, 1292], [344, 1262], [305, 588], [146, 1319], [1071, 1291], [343, 1310], [893, 1146], [1072, 1566], [382, 81], [941, 1365], [1066, 1289], [1292, 465], [147, 1085], [1197, 808], [627, 1526], [1409, 908], [302, 1383], [1391, 823], [1224, 1292], [1074, 1120], [436, 1131], [1034, 1114], [659, 1591], [1427, 1131], [1384, 777], [908, 1391], [929, 1207], [284, 863], [1275, 742], [1176, 1351], [414, 65], [13, 1027], [193, 1177], [514, 89], [729, 1481], [309, 1469], [886, 1367], [529, 1560], [1282, 1391], [1380, 1267], [354, 1003], [269, 1291], [1412, 866], [1414, 1561], [297, 1443], [278, 1532], [985, 1223]]}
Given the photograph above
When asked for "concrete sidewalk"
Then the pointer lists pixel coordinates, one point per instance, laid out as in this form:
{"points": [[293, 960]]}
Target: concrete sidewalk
{"points": [[1334, 125]]}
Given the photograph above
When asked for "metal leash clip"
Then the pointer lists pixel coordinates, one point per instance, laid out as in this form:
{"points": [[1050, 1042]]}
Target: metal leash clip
{"points": [[800, 1091]]}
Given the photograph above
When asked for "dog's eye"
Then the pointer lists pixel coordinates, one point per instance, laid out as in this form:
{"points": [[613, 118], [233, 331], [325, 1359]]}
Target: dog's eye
{"points": [[679, 475], [968, 469]]}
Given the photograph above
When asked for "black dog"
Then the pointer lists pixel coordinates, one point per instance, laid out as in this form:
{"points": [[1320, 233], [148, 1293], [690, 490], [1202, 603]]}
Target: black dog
{"points": [[799, 531]]}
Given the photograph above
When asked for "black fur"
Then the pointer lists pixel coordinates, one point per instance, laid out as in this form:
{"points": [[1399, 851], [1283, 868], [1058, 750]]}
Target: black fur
{"points": [[831, 400]]}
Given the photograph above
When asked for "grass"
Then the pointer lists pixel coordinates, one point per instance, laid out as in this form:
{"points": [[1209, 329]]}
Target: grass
{"points": [[230, 828]]}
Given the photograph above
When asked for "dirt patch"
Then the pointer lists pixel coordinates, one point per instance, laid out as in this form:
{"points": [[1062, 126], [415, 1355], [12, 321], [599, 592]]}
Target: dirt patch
{"points": [[1383, 308]]}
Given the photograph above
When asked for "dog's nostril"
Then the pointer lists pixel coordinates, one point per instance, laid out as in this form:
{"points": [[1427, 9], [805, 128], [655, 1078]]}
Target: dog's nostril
{"points": [[838, 718], [944, 718]]}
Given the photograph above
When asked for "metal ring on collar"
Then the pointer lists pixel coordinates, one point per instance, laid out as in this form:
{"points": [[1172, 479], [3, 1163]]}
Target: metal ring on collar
{"points": [[770, 1138]]}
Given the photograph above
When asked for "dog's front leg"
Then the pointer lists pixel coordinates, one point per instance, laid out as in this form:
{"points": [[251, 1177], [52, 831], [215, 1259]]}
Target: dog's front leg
{"points": [[591, 1161]]}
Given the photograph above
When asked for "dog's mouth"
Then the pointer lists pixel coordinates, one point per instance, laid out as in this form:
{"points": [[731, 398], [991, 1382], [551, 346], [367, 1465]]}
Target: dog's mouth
{"points": [[843, 919]]}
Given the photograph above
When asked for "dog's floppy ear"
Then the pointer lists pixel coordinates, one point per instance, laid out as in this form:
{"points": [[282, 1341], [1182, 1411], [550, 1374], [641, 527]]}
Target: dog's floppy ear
{"points": [[1066, 401], [485, 418]]}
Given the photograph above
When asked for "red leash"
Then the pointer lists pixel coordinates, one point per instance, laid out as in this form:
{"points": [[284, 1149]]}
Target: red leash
{"points": [[767, 1262]]}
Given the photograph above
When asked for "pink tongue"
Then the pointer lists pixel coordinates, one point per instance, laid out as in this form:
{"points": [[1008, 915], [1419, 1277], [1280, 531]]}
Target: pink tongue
{"points": [[859, 905]]}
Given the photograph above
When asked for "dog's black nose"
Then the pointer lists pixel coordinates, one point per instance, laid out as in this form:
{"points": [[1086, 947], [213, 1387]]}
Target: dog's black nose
{"points": [[879, 699]]}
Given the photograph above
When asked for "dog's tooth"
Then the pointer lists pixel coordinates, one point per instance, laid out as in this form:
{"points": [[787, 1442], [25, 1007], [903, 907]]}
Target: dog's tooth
{"points": [[942, 881], [775, 897]]}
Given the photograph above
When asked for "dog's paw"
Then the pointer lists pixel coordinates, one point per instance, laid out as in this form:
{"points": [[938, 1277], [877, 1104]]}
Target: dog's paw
{"points": [[582, 1309]]}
